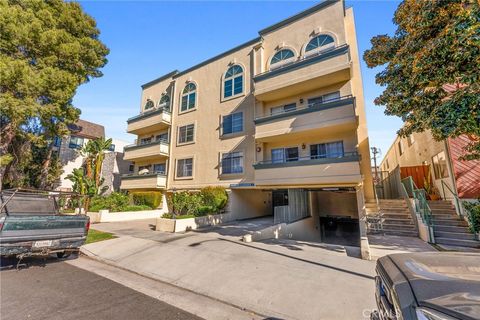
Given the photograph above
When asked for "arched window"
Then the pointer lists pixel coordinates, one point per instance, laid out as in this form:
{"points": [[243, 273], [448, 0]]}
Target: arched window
{"points": [[282, 55], [164, 102], [149, 104], [189, 96], [233, 83], [320, 43]]}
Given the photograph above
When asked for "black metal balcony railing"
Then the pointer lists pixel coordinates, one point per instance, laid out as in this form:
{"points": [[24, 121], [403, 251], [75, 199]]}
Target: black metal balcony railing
{"points": [[148, 113], [308, 161], [303, 61], [145, 175], [331, 103], [144, 145]]}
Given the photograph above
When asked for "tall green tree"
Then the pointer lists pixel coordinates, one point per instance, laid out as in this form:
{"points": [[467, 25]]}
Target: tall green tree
{"points": [[431, 69], [47, 49]]}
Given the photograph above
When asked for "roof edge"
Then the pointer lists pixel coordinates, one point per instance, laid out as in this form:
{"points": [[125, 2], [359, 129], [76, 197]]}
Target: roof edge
{"points": [[166, 76], [297, 16], [221, 55]]}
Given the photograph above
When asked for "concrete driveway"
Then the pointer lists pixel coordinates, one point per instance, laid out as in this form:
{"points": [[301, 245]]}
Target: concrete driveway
{"points": [[277, 279]]}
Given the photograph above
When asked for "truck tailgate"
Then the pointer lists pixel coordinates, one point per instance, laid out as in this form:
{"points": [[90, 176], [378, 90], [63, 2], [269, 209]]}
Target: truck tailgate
{"points": [[17, 228]]}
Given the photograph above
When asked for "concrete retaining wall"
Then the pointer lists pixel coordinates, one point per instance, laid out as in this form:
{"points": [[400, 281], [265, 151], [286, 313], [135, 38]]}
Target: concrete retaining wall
{"points": [[181, 225], [106, 216]]}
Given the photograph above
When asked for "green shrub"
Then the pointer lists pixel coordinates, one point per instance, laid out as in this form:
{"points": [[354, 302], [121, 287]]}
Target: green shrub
{"points": [[185, 203], [215, 198], [205, 210], [153, 199], [114, 202], [473, 215]]}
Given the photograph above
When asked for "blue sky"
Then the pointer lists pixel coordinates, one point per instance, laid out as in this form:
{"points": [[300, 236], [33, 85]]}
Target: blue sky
{"points": [[150, 38]]}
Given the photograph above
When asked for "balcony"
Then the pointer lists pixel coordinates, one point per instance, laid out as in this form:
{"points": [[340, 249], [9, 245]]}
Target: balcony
{"points": [[334, 115], [148, 151], [144, 181], [149, 121], [338, 171], [306, 74]]}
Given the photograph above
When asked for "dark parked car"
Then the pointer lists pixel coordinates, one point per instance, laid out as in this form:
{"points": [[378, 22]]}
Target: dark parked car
{"points": [[433, 286], [31, 223]]}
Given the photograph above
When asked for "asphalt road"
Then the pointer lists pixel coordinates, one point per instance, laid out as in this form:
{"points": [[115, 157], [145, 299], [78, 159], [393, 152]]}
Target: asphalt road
{"points": [[57, 290]]}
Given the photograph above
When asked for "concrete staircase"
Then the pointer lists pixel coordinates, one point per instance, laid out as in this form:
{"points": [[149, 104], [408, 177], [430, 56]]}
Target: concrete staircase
{"points": [[396, 217], [449, 228]]}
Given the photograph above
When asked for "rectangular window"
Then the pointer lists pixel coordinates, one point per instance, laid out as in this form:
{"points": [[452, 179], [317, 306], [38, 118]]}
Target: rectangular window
{"points": [[162, 137], [186, 133], [159, 168], [184, 168], [281, 155], [131, 167], [400, 147], [228, 88], [238, 85], [283, 109], [232, 123], [75, 142], [440, 165], [144, 169], [324, 98], [145, 140], [327, 150], [232, 162], [188, 101]]}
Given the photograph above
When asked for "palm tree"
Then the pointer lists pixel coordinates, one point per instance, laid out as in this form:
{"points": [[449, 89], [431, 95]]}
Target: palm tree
{"points": [[100, 146]]}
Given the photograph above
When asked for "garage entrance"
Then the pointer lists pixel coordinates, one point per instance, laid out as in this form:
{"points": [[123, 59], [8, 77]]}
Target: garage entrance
{"points": [[337, 212]]}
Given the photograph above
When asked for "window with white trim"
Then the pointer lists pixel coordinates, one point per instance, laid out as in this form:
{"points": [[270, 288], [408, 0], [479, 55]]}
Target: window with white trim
{"points": [[149, 104], [232, 162], [189, 96], [75, 142], [332, 96], [281, 155], [281, 57], [320, 43], [233, 82], [184, 168], [164, 102], [327, 150], [159, 168], [232, 123], [186, 133]]}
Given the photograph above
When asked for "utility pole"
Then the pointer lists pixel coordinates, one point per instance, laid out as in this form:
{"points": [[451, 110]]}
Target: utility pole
{"points": [[375, 151]]}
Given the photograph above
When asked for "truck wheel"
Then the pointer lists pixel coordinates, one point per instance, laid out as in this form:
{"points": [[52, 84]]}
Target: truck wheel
{"points": [[62, 255]]}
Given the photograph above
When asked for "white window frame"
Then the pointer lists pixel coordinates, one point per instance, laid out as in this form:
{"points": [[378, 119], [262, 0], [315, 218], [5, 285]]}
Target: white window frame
{"points": [[179, 134], [233, 77], [242, 162], [177, 165], [187, 95]]}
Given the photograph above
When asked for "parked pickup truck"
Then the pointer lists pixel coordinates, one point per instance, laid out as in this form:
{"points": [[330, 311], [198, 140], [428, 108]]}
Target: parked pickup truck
{"points": [[31, 224]]}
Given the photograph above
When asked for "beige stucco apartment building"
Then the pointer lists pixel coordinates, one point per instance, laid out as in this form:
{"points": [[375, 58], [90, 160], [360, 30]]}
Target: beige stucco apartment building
{"points": [[279, 121]]}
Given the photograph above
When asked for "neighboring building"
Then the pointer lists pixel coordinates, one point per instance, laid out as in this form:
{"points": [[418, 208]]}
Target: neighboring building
{"points": [[419, 155], [114, 166], [279, 121], [71, 158]]}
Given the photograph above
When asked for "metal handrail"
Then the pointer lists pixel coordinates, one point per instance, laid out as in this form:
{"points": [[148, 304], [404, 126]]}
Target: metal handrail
{"points": [[295, 159], [158, 173], [302, 58], [161, 141], [308, 106], [458, 203], [421, 205]]}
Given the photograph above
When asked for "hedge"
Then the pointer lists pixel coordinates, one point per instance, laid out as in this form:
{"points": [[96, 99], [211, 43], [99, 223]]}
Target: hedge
{"points": [[153, 199]]}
